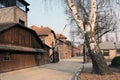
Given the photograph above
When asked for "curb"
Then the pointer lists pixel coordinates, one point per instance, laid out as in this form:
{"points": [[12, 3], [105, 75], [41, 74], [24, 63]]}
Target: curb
{"points": [[75, 76]]}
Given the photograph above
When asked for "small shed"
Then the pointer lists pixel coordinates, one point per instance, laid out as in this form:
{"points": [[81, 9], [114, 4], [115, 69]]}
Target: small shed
{"points": [[20, 47]]}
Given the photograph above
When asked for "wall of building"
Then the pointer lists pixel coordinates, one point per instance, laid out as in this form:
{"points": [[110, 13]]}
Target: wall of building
{"points": [[60, 51], [18, 60], [46, 56], [69, 51], [76, 51], [12, 14], [20, 14], [117, 54], [65, 50], [21, 60], [6, 14], [19, 37], [112, 54], [50, 40]]}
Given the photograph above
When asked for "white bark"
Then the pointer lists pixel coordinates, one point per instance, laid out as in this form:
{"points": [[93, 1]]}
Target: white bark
{"points": [[92, 17], [75, 14]]}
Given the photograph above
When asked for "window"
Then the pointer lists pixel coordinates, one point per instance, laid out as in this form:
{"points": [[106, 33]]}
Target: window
{"points": [[118, 51], [1, 5], [21, 22], [106, 53], [6, 3], [20, 5], [7, 57]]}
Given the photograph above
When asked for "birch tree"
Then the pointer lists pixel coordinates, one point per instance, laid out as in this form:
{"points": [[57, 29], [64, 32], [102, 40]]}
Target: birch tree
{"points": [[99, 64]]}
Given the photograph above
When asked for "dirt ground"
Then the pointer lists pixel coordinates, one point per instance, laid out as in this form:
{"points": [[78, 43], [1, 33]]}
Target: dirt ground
{"points": [[87, 75]]}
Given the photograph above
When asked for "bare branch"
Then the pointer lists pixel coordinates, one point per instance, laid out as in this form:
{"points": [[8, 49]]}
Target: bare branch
{"points": [[104, 33]]}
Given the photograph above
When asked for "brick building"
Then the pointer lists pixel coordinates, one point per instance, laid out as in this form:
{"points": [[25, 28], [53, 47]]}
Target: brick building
{"points": [[77, 51], [48, 36], [63, 46]]}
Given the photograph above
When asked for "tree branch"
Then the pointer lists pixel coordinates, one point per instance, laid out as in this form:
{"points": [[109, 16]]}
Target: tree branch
{"points": [[103, 34]]}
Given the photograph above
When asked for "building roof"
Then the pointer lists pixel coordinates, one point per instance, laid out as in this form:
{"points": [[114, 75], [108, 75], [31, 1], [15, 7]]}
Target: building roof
{"points": [[110, 45], [24, 2], [60, 36], [35, 28], [20, 48], [42, 31], [7, 26], [47, 46], [4, 26]]}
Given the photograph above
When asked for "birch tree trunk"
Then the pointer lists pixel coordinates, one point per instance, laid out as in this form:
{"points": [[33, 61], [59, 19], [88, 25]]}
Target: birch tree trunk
{"points": [[98, 61]]}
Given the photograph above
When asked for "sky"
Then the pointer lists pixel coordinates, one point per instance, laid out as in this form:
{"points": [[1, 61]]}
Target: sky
{"points": [[55, 18]]}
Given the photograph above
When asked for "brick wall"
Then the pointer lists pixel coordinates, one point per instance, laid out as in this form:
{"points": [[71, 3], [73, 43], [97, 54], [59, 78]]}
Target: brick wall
{"points": [[12, 14]]}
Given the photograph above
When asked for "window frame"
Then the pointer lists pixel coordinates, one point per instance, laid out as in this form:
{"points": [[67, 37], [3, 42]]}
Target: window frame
{"points": [[106, 53], [21, 22]]}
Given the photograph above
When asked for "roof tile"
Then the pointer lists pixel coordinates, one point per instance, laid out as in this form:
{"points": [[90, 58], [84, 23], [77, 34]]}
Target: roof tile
{"points": [[41, 30]]}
